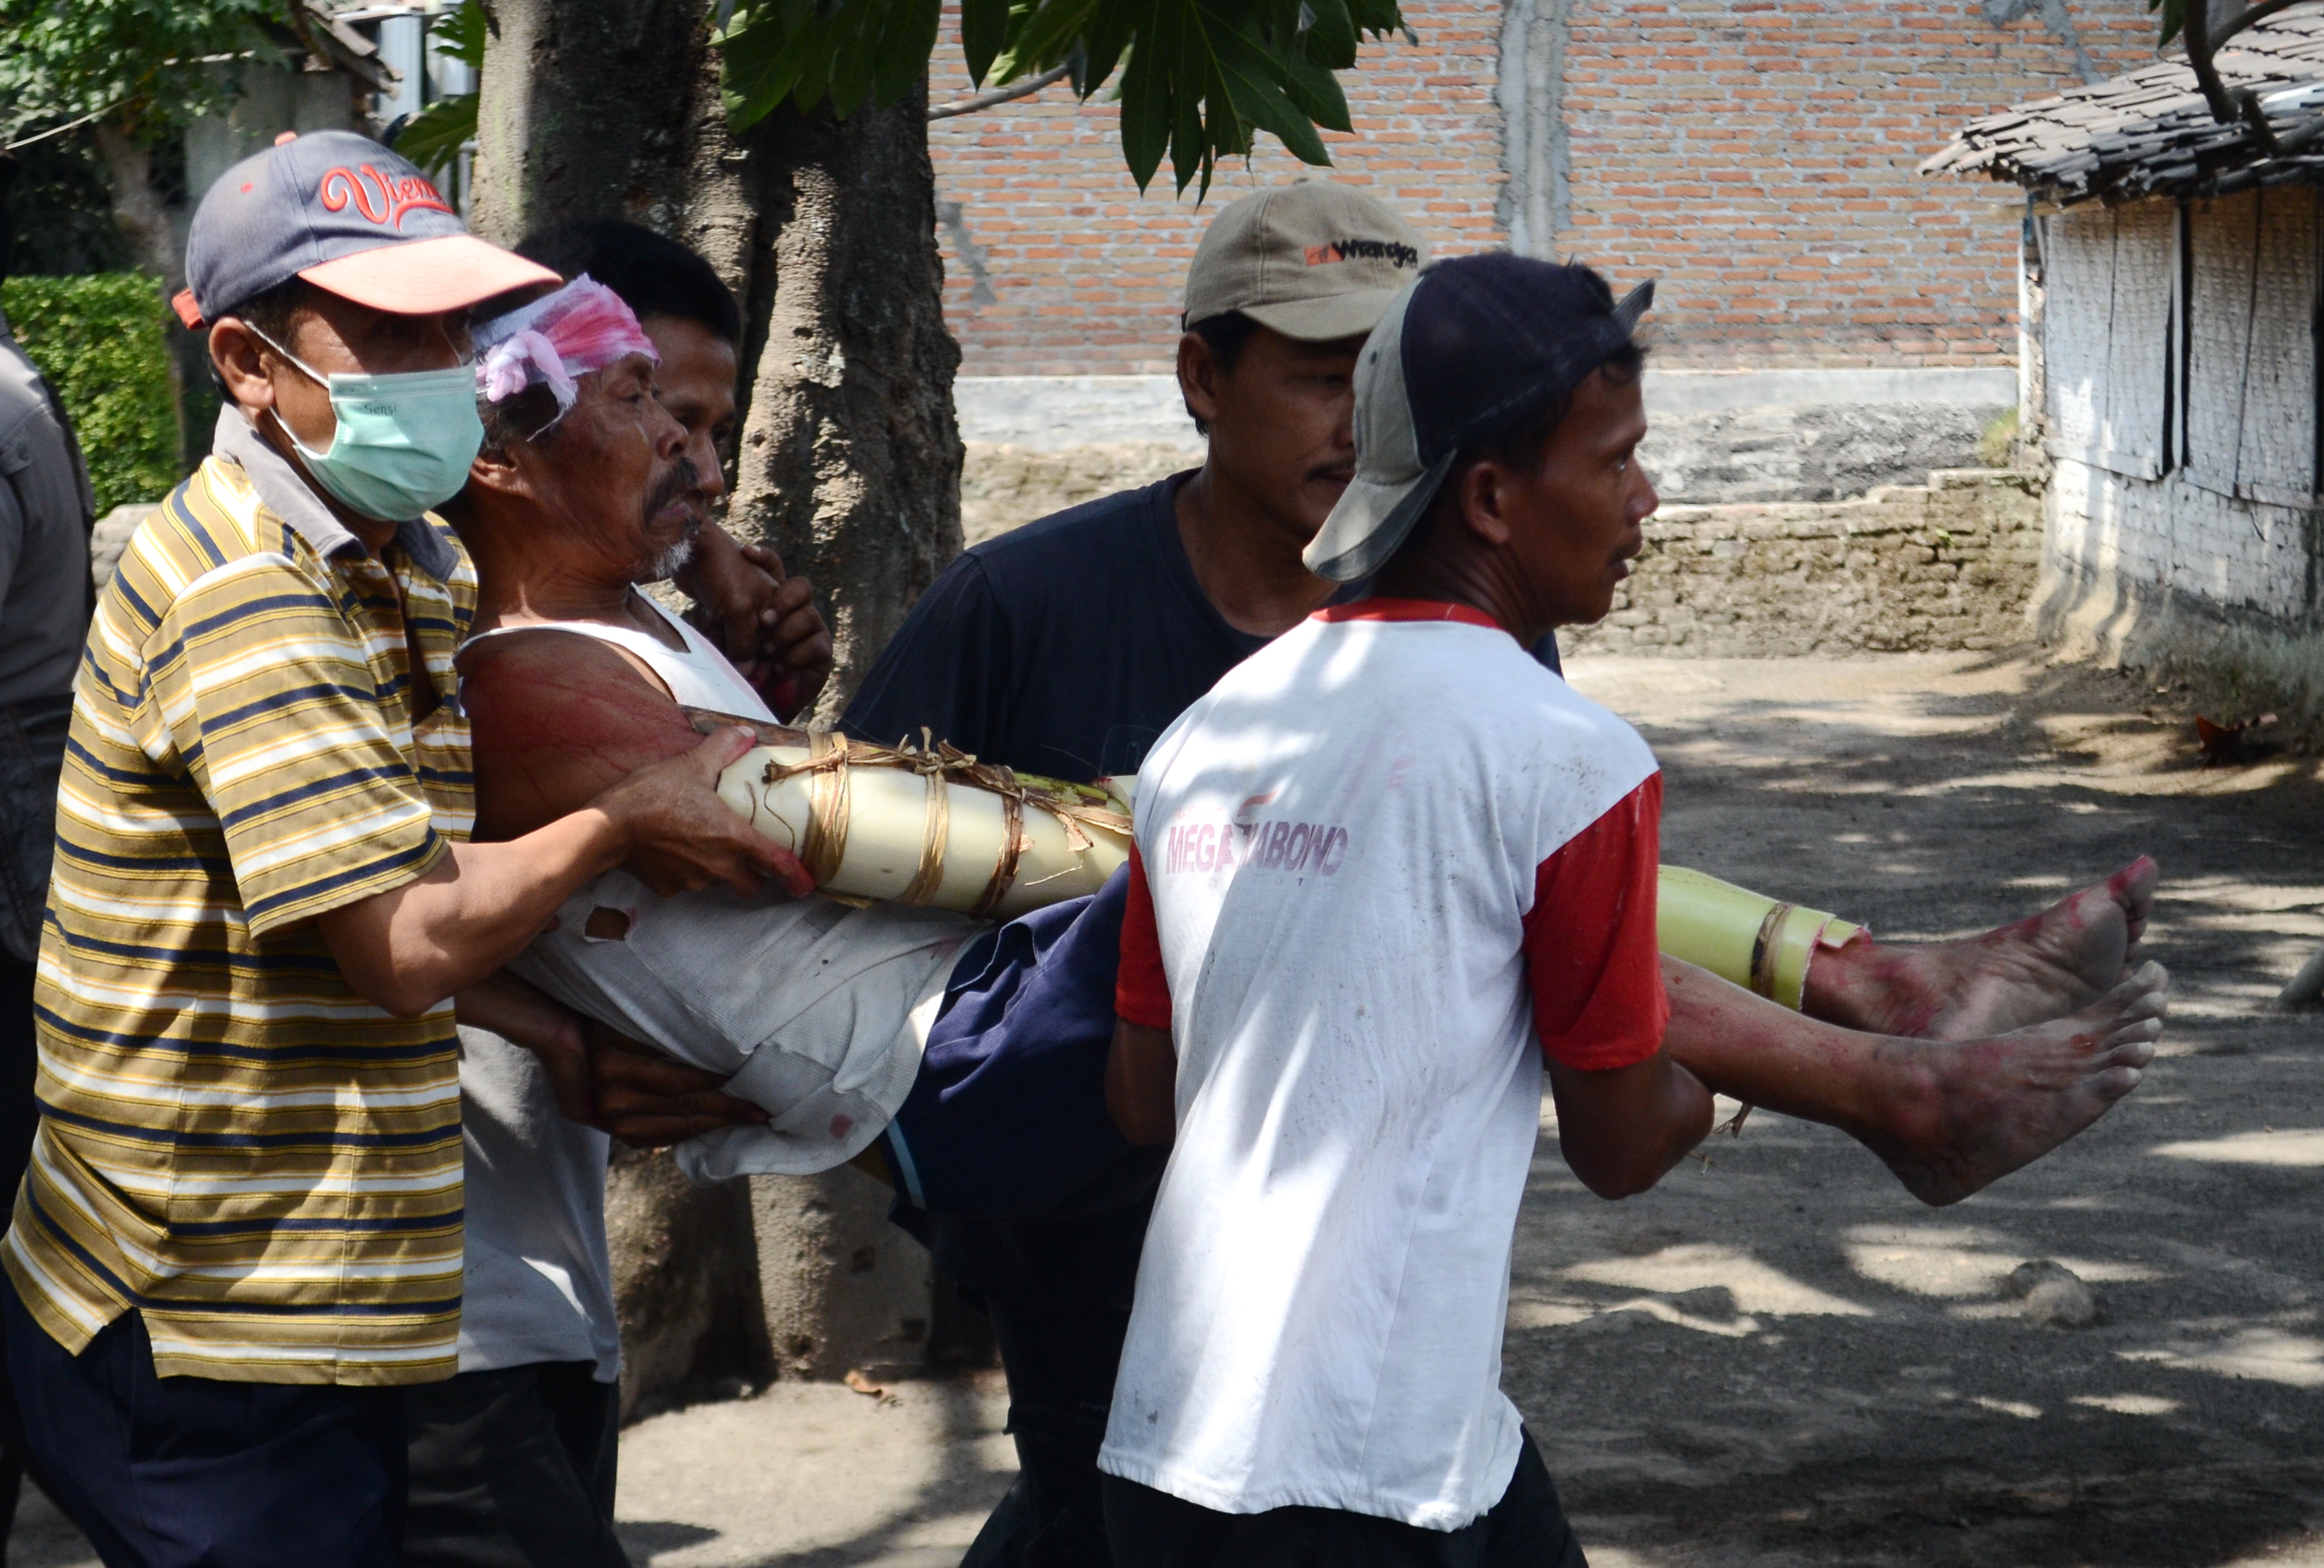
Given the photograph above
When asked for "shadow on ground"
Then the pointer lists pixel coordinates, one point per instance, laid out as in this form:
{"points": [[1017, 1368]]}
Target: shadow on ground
{"points": [[1778, 1357]]}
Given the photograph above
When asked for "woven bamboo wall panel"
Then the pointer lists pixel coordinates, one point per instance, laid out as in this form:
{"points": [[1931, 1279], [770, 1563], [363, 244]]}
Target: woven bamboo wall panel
{"points": [[2251, 356], [2106, 333]]}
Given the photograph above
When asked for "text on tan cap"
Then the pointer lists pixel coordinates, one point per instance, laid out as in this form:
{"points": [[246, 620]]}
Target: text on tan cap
{"points": [[1313, 261]]}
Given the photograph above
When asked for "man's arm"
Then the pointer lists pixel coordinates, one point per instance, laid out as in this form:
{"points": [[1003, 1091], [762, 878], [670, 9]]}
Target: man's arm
{"points": [[1141, 1069], [1626, 1111], [1621, 1128], [555, 720], [600, 1078], [480, 904], [581, 765], [1141, 1084], [764, 619]]}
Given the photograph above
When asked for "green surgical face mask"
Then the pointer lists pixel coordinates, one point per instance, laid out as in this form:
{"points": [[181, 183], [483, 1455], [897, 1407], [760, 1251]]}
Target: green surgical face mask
{"points": [[404, 441]]}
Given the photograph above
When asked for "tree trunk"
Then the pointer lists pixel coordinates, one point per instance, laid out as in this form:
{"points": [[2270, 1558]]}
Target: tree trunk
{"points": [[849, 465], [584, 111], [850, 457]]}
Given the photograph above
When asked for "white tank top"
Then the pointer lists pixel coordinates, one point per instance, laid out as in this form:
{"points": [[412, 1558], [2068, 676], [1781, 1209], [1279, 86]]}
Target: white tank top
{"points": [[698, 677], [819, 1010]]}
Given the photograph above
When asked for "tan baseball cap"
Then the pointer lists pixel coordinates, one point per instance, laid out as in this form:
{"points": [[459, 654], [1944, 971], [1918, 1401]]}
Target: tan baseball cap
{"points": [[1313, 261]]}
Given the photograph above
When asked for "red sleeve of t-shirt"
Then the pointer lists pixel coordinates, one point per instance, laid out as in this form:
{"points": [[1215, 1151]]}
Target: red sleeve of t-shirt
{"points": [[1591, 955], [1141, 993]]}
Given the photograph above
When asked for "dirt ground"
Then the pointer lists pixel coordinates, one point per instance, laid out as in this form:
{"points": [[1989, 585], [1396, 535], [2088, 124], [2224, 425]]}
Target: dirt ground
{"points": [[1778, 1358]]}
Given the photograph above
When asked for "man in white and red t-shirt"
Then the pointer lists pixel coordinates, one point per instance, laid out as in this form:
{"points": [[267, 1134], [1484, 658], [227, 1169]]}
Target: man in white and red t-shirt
{"points": [[1386, 869]]}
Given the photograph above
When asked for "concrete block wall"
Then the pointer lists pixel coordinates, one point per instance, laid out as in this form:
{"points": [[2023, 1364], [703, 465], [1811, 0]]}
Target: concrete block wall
{"points": [[1039, 444], [1908, 569]]}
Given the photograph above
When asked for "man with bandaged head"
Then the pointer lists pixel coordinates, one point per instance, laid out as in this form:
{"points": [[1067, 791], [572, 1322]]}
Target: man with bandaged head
{"points": [[961, 1053], [240, 1237]]}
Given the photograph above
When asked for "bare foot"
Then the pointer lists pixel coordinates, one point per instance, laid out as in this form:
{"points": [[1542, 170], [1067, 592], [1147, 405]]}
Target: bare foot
{"points": [[1985, 1108], [2029, 971]]}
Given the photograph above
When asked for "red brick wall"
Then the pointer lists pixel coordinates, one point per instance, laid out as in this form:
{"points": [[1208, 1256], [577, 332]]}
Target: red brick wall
{"points": [[1085, 275], [1759, 158], [1756, 155]]}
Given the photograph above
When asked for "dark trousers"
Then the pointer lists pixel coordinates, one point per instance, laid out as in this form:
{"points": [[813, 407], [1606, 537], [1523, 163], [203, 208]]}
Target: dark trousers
{"points": [[1526, 1529], [514, 1469], [1059, 1294], [196, 1473]]}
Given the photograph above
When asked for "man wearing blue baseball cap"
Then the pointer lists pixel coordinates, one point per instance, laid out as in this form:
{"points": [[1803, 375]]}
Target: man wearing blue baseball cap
{"points": [[241, 1233], [1349, 1044]]}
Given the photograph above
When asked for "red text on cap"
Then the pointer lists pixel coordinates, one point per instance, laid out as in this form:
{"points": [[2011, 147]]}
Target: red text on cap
{"points": [[378, 198]]}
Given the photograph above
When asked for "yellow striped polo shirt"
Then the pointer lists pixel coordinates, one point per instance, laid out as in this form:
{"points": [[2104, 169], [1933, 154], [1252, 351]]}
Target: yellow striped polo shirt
{"points": [[232, 1141]]}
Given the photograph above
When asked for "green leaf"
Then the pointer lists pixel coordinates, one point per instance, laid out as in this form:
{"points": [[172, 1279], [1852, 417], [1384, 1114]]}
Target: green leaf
{"points": [[854, 56], [1145, 102], [461, 34], [1251, 87], [1108, 37], [983, 28], [758, 71], [1315, 92], [1327, 34], [1198, 79], [2174, 19], [804, 52], [1194, 143], [100, 340], [904, 49], [433, 137], [1046, 36]]}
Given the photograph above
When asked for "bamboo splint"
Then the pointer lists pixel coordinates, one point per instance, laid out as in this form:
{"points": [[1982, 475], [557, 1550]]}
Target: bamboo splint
{"points": [[931, 825], [1744, 937], [922, 825]]}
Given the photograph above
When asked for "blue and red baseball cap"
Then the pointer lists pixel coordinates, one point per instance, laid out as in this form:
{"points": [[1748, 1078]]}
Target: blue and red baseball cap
{"points": [[1469, 348], [350, 217]]}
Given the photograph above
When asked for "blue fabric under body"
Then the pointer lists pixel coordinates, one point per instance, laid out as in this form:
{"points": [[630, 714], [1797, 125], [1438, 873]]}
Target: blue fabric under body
{"points": [[1008, 1118]]}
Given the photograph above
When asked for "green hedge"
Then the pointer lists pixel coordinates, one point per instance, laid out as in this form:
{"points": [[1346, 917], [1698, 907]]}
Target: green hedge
{"points": [[99, 341]]}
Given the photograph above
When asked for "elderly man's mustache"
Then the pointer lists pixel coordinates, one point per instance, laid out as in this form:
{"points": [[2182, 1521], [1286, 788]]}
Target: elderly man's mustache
{"points": [[677, 481]]}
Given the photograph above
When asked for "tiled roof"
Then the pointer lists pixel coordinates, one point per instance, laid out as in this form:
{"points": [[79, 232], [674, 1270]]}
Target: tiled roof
{"points": [[2149, 133]]}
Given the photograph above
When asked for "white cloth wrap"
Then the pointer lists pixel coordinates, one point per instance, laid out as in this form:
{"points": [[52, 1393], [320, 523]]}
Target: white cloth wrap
{"points": [[818, 1010]]}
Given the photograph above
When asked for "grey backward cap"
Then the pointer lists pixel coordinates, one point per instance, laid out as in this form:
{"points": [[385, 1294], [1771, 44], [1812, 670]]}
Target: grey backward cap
{"points": [[1459, 357]]}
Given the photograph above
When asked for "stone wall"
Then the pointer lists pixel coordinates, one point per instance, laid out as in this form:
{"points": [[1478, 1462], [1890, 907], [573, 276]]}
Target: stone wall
{"points": [[1947, 565], [1037, 444]]}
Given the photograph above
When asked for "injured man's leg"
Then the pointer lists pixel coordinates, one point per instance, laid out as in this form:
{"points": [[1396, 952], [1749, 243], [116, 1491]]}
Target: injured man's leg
{"points": [[969, 1056]]}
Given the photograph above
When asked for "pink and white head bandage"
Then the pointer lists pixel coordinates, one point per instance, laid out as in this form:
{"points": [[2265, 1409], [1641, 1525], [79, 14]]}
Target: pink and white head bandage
{"points": [[582, 327]]}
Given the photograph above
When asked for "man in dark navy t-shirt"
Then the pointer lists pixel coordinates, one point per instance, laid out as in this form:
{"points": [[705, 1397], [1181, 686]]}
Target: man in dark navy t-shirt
{"points": [[1064, 648], [1067, 647]]}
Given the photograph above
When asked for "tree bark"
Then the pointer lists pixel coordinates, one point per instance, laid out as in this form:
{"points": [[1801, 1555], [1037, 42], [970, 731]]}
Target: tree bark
{"points": [[584, 111], [849, 465], [850, 459]]}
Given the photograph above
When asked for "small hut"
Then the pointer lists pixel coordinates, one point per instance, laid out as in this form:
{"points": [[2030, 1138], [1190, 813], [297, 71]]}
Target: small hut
{"points": [[2168, 352]]}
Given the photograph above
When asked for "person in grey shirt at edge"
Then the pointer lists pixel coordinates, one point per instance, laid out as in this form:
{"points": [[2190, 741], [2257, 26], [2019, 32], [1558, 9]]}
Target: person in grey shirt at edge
{"points": [[46, 595]]}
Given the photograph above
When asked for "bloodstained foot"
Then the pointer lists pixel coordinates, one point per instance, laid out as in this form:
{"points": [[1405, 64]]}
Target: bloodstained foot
{"points": [[1983, 1108], [2028, 972]]}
